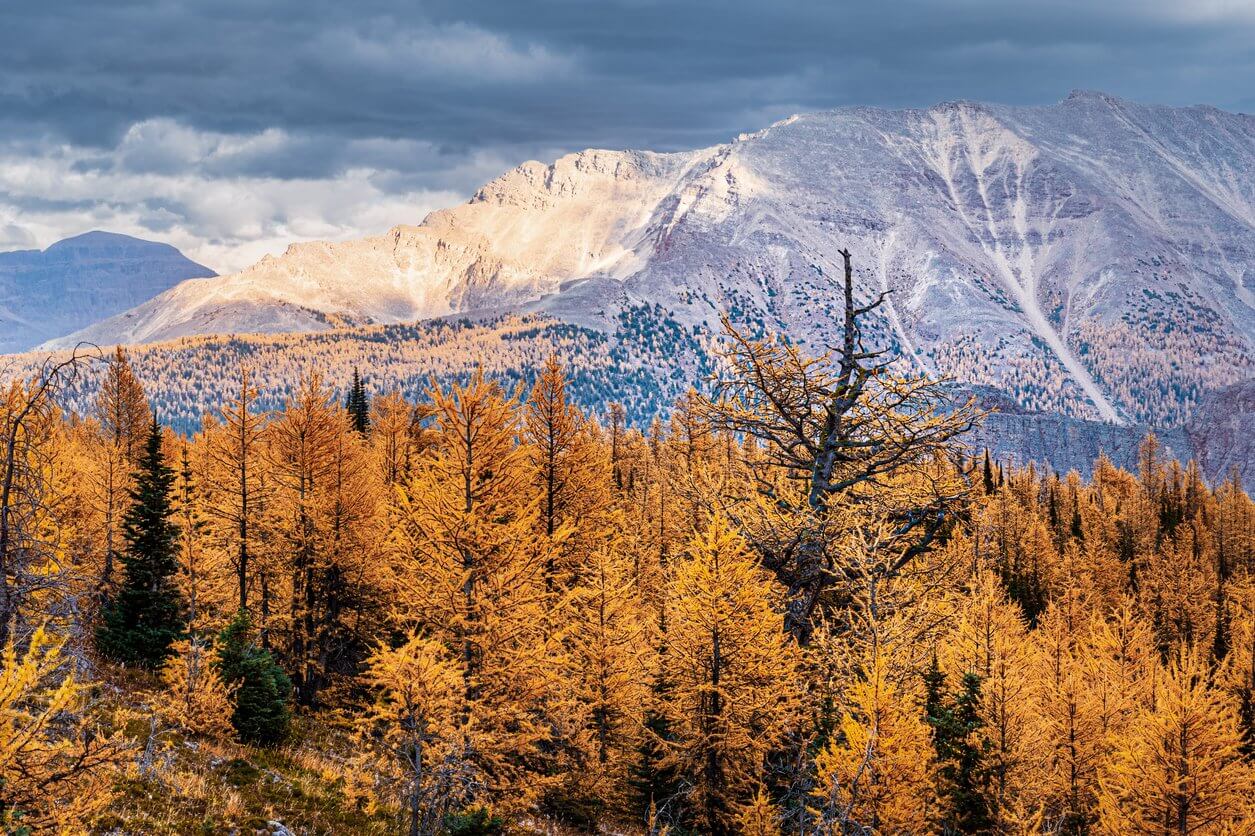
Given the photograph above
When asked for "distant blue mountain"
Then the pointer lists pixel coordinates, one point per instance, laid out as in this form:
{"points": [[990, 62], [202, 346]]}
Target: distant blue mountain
{"points": [[49, 293]]}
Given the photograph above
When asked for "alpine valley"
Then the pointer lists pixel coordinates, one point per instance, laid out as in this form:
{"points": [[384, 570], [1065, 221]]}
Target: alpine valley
{"points": [[1087, 267]]}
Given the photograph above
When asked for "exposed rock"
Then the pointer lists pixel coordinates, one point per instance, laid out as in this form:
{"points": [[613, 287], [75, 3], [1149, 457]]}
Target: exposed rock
{"points": [[1222, 433]]}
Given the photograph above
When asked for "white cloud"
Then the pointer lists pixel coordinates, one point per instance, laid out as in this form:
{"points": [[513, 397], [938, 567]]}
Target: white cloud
{"points": [[452, 52], [163, 181]]}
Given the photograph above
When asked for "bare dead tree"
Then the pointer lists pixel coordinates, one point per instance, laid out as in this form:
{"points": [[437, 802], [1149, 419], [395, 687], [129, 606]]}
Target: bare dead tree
{"points": [[25, 432], [841, 426]]}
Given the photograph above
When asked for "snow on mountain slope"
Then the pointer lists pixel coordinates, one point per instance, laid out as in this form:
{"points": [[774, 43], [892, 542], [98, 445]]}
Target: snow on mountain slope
{"points": [[79, 280], [518, 238], [1094, 258]]}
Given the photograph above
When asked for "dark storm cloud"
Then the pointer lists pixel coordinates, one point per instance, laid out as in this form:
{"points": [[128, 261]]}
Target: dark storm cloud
{"points": [[572, 72], [432, 97]]}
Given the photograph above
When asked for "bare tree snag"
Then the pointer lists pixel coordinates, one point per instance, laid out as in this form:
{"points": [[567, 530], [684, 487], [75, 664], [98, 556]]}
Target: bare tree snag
{"points": [[842, 427]]}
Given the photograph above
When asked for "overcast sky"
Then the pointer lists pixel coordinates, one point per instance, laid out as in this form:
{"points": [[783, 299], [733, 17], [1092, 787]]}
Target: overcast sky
{"points": [[230, 128]]}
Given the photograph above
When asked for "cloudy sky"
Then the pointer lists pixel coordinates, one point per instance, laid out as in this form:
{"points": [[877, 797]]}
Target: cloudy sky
{"points": [[230, 128]]}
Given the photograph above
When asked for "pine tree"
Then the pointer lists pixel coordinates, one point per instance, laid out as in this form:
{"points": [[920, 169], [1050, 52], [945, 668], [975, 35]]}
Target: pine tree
{"points": [[393, 429], [358, 405], [553, 428], [1070, 716], [198, 701], [617, 416], [203, 580], [260, 689], [962, 773], [147, 615], [760, 817]]}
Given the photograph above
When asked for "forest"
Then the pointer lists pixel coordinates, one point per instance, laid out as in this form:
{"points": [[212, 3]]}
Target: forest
{"points": [[800, 605]]}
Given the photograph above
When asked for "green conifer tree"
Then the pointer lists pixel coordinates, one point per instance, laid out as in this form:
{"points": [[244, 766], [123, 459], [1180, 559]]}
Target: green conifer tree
{"points": [[358, 405], [261, 688], [654, 785], [962, 772], [147, 616]]}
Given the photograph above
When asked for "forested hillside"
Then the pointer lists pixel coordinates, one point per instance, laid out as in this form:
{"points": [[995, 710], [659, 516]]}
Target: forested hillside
{"points": [[798, 606], [644, 364]]}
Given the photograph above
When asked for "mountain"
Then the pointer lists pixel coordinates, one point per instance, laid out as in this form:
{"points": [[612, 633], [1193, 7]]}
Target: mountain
{"points": [[1093, 258], [519, 238], [47, 293], [1222, 433]]}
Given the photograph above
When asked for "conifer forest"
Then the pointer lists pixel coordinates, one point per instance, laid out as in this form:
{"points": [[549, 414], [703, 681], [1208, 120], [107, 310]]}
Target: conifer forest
{"points": [[799, 604]]}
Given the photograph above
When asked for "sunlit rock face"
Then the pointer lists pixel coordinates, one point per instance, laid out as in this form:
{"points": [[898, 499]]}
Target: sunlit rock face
{"points": [[1094, 258]]}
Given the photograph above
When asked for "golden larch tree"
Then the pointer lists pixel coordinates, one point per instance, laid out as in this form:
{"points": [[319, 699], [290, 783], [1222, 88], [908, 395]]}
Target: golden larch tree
{"points": [[1177, 767], [471, 574], [413, 723], [733, 674]]}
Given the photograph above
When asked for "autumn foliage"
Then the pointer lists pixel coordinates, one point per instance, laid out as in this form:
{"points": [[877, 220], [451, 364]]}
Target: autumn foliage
{"points": [[503, 609]]}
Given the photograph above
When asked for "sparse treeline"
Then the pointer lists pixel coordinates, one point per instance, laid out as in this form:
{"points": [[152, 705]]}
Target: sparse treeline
{"points": [[797, 607]]}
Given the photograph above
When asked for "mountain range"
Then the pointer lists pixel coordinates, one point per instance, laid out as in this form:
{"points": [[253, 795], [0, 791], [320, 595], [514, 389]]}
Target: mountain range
{"points": [[1093, 258], [77, 281], [1087, 267]]}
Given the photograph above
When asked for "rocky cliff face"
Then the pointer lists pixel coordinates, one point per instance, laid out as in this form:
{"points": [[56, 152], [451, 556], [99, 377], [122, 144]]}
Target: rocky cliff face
{"points": [[519, 238], [1220, 436], [1094, 258], [46, 293], [1222, 433]]}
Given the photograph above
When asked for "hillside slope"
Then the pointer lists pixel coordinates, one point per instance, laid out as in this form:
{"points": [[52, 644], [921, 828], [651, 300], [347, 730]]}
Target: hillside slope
{"points": [[646, 362]]}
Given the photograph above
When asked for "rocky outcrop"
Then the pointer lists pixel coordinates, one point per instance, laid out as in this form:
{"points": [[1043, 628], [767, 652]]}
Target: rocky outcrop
{"points": [[1222, 433]]}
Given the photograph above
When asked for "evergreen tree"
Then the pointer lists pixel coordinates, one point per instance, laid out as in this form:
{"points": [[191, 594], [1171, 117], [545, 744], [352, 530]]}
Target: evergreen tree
{"points": [[147, 616], [962, 772], [1246, 721], [261, 714], [358, 405], [654, 783], [988, 474]]}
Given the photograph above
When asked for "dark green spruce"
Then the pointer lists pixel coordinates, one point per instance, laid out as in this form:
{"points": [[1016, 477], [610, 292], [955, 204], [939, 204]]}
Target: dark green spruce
{"points": [[961, 749], [147, 614], [358, 405], [262, 689]]}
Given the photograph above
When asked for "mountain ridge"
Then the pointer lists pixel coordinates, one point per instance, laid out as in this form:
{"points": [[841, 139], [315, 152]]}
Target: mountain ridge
{"points": [[1073, 254], [77, 280]]}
